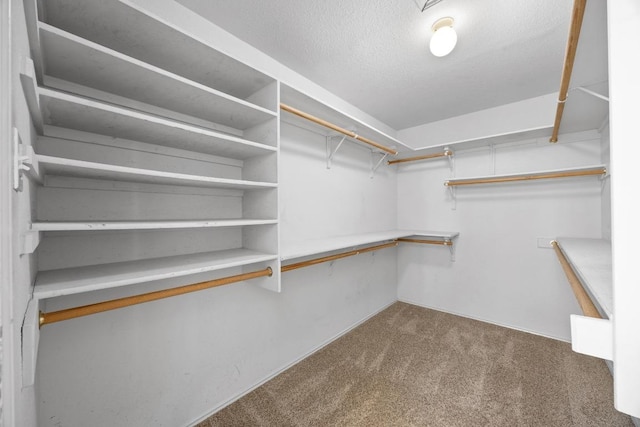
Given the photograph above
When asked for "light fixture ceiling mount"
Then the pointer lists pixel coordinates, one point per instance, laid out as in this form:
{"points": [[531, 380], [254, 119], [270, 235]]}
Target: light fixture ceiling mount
{"points": [[444, 37], [426, 4]]}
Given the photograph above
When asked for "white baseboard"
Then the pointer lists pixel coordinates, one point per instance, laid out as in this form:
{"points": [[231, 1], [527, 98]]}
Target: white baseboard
{"points": [[278, 371], [483, 320]]}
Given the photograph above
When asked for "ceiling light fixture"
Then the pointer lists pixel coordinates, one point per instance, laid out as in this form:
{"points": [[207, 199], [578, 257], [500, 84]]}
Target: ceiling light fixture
{"points": [[444, 37]]}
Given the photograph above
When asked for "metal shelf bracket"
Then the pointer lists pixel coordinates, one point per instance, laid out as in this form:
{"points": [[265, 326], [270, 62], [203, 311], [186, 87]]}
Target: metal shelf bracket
{"points": [[331, 152], [374, 165], [24, 161], [452, 196], [452, 249], [30, 242]]}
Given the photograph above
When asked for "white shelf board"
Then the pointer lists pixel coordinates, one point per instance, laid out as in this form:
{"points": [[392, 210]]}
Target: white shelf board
{"points": [[80, 61], [591, 261], [144, 225], [69, 281], [79, 168], [292, 250], [70, 111], [527, 174], [121, 26], [486, 141], [316, 108]]}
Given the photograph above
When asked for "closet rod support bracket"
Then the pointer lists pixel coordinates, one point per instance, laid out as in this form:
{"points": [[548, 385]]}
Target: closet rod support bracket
{"points": [[25, 161], [593, 93], [331, 152], [452, 195], [449, 154], [452, 248], [374, 167], [30, 241]]}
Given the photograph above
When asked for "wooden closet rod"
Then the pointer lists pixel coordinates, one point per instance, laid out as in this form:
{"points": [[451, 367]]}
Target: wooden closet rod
{"points": [[587, 306], [493, 180], [569, 58], [427, 242], [335, 257], [425, 157], [71, 313], [337, 128]]}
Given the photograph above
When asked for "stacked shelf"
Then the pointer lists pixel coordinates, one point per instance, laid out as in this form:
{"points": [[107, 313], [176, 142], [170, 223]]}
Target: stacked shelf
{"points": [[76, 112], [78, 168], [124, 28], [71, 58], [147, 135]]}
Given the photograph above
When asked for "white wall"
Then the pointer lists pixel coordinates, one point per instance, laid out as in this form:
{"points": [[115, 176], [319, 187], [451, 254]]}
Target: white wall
{"points": [[500, 275], [316, 202], [624, 89], [19, 399]]}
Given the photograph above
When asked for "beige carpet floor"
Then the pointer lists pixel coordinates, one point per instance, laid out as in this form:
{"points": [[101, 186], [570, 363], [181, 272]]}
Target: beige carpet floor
{"points": [[410, 366]]}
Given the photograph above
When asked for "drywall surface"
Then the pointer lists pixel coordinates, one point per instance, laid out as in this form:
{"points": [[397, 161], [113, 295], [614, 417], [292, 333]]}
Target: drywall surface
{"points": [[173, 362], [319, 202], [500, 274], [624, 89], [18, 398]]}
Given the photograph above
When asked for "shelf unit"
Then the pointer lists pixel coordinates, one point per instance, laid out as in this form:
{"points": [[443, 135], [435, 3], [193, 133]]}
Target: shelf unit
{"points": [[156, 157], [145, 129]]}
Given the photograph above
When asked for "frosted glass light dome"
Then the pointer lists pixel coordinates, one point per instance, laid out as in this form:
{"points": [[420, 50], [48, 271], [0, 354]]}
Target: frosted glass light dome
{"points": [[444, 37]]}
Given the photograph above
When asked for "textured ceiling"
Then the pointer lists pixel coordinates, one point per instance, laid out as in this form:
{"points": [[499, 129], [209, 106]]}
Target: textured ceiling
{"points": [[374, 53]]}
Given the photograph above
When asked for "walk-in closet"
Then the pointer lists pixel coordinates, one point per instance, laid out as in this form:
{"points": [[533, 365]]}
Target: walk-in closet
{"points": [[362, 213]]}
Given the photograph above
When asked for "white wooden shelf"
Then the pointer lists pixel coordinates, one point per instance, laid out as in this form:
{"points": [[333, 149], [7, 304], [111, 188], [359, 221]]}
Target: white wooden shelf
{"points": [[70, 281], [124, 27], [487, 141], [144, 225], [590, 259], [292, 250], [70, 111], [80, 61], [321, 110], [525, 176], [78, 168]]}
